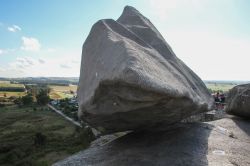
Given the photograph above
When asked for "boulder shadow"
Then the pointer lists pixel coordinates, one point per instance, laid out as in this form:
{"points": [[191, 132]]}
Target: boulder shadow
{"points": [[242, 123], [186, 144]]}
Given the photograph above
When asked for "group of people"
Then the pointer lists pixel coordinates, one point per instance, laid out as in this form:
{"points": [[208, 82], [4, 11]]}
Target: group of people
{"points": [[219, 99]]}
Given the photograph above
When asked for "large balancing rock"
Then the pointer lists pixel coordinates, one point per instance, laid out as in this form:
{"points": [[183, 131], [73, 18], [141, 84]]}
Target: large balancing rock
{"points": [[131, 79], [239, 101]]}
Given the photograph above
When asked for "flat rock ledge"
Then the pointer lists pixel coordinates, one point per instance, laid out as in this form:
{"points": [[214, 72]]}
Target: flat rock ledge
{"points": [[224, 142]]}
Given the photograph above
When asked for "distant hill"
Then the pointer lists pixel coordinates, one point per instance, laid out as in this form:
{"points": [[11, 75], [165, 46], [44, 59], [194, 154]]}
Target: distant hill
{"points": [[74, 80], [44, 80], [225, 82]]}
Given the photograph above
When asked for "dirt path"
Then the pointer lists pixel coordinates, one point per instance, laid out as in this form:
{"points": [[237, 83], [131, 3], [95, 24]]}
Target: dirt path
{"points": [[64, 116]]}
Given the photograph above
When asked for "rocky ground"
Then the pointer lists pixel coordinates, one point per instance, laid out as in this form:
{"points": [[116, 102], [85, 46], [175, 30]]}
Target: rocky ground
{"points": [[223, 142]]}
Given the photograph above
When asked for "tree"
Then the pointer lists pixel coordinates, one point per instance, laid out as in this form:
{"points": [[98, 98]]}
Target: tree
{"points": [[39, 139], [18, 101], [43, 97], [27, 100]]}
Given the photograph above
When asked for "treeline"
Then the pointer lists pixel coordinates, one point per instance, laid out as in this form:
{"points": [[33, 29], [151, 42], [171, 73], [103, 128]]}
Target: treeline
{"points": [[12, 89], [44, 83], [38, 96], [46, 80]]}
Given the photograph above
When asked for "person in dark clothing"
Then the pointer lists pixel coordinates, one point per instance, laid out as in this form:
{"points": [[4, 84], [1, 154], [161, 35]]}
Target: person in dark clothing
{"points": [[222, 98], [216, 97]]}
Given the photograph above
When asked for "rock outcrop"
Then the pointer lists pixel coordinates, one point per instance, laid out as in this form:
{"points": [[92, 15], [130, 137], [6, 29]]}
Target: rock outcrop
{"points": [[224, 142], [130, 78], [239, 101]]}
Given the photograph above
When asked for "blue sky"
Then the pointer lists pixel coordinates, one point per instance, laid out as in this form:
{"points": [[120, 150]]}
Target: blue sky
{"points": [[44, 38]]}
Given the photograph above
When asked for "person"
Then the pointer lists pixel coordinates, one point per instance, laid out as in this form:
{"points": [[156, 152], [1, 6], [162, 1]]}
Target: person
{"points": [[217, 100], [222, 98], [216, 97]]}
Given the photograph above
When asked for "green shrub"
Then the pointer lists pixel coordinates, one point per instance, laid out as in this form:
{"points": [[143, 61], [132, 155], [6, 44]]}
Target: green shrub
{"points": [[43, 97], [27, 100]]}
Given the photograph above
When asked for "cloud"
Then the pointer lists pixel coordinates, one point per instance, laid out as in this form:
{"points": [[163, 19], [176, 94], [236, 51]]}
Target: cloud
{"points": [[211, 55], [165, 9], [41, 61], [23, 63], [51, 49], [70, 63], [2, 69], [66, 66], [23, 66], [11, 29], [14, 28], [6, 51], [75, 61], [17, 27], [30, 44], [161, 8], [33, 66]]}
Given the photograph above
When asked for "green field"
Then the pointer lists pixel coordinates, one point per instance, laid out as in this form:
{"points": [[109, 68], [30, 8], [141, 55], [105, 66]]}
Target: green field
{"points": [[8, 89], [18, 127], [8, 84], [10, 94], [220, 86], [61, 92]]}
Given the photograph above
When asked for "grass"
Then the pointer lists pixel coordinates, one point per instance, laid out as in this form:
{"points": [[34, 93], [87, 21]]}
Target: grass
{"points": [[18, 127], [8, 84], [64, 88], [220, 86], [59, 95], [61, 92], [13, 90]]}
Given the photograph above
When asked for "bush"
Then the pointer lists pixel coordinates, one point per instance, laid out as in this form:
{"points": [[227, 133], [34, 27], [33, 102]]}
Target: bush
{"points": [[39, 139], [86, 136], [27, 100], [43, 97], [18, 101]]}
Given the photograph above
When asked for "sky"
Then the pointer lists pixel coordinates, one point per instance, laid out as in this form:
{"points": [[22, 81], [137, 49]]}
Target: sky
{"points": [[45, 37]]}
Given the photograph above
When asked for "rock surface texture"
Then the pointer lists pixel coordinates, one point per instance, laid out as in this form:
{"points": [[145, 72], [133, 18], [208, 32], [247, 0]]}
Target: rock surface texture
{"points": [[239, 101], [224, 142], [132, 80]]}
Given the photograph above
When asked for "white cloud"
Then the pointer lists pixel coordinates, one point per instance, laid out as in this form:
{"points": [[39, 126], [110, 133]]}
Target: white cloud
{"points": [[6, 51], [17, 27], [33, 66], [162, 8], [14, 28], [75, 61], [11, 29], [66, 66], [51, 49], [23, 63], [211, 55], [41, 61], [30, 44], [2, 69]]}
